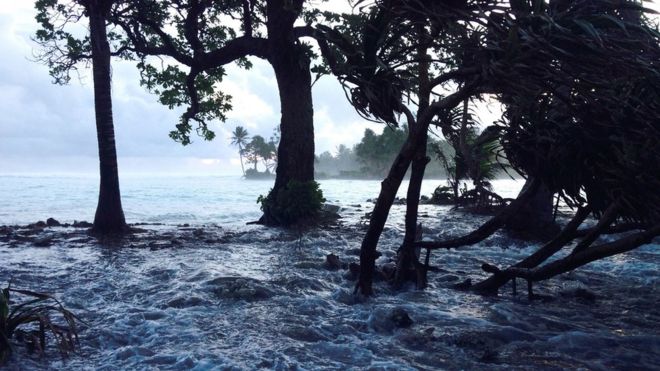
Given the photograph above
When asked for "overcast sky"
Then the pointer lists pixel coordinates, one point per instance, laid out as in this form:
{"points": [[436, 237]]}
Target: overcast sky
{"points": [[50, 128]]}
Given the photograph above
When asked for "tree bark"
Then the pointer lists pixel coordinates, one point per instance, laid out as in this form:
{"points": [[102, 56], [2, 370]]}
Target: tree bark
{"points": [[535, 219], [109, 216], [389, 188], [408, 259], [295, 153]]}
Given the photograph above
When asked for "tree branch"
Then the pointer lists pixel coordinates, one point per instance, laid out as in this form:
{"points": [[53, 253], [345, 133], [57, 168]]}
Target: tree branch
{"points": [[488, 228]]}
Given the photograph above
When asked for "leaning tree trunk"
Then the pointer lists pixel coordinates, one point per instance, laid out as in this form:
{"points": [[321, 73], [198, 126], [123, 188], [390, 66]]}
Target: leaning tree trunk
{"points": [[408, 260], [109, 216], [388, 190]]}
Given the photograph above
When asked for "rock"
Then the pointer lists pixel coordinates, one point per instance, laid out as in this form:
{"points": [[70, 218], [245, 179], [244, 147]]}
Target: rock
{"points": [[448, 278], [580, 293], [348, 297], [51, 222], [400, 318], [334, 209], [353, 271], [185, 302], [386, 320], [240, 288], [40, 224], [82, 224], [332, 262], [387, 271], [355, 252], [44, 241]]}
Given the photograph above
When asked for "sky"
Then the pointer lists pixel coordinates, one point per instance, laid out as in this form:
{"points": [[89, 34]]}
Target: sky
{"points": [[47, 128]]}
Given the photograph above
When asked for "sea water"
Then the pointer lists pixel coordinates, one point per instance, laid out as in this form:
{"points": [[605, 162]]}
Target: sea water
{"points": [[217, 294]]}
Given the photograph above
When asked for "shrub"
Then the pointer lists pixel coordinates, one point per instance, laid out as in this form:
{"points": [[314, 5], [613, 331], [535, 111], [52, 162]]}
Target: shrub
{"points": [[293, 203], [29, 320]]}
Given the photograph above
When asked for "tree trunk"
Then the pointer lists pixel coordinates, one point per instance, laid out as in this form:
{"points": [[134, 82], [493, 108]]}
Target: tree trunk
{"points": [[389, 188], [109, 216], [295, 153], [240, 155], [408, 260], [535, 219]]}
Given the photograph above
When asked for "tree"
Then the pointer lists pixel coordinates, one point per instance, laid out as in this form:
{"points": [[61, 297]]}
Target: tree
{"points": [[386, 58], [580, 85], [62, 52], [407, 51], [239, 137], [376, 152], [196, 36]]}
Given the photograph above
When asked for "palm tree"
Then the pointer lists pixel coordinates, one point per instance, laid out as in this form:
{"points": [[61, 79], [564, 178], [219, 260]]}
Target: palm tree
{"points": [[61, 53], [239, 138], [109, 217]]}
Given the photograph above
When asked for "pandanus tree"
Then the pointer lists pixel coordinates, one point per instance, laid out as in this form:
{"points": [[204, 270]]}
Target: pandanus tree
{"points": [[239, 138], [203, 37], [581, 85], [528, 54], [63, 51], [395, 61]]}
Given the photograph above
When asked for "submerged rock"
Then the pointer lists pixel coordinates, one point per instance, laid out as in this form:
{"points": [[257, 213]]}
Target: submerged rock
{"points": [[240, 288], [44, 241], [353, 271], [332, 262], [82, 224], [387, 320]]}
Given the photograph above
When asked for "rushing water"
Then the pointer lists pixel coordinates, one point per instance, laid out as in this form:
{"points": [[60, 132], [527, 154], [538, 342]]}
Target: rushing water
{"points": [[221, 295]]}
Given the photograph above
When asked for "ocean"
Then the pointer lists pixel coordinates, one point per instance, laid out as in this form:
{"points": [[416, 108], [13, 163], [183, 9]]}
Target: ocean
{"points": [[199, 289]]}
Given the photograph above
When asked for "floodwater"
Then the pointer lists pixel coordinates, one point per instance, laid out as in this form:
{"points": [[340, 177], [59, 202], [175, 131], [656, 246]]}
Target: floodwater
{"points": [[217, 294]]}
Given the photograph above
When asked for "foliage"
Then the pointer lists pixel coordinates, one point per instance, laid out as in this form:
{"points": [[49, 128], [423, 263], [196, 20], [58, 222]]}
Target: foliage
{"points": [[184, 46], [62, 50], [258, 149], [585, 121], [31, 319], [377, 152], [442, 195], [296, 202]]}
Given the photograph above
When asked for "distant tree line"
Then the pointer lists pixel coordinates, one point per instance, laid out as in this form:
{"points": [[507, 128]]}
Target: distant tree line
{"points": [[370, 158]]}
